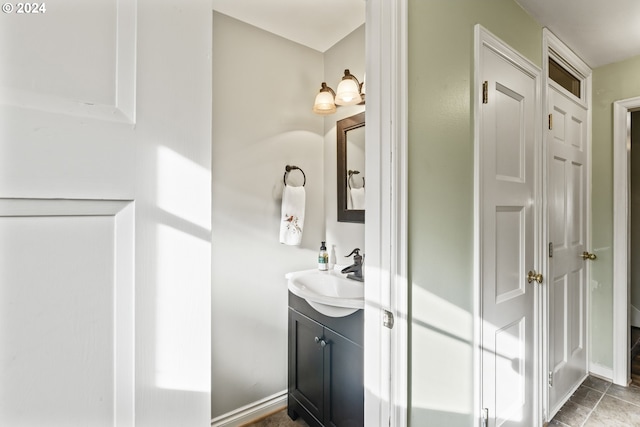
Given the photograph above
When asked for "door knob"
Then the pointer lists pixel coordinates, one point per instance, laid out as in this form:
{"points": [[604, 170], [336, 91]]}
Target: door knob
{"points": [[320, 341], [532, 275], [587, 255]]}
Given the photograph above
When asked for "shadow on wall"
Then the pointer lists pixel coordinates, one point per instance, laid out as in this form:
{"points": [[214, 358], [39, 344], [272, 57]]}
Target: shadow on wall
{"points": [[182, 235], [442, 336]]}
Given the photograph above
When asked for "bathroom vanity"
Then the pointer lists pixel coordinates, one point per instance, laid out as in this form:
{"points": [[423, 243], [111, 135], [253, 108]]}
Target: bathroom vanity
{"points": [[326, 384]]}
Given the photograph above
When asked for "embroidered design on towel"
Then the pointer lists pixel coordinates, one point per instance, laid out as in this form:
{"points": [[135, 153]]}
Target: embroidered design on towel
{"points": [[292, 223]]}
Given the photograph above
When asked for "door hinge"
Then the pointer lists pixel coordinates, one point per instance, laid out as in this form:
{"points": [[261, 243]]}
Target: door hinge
{"points": [[387, 319], [550, 249], [484, 422], [550, 378], [550, 121], [485, 92]]}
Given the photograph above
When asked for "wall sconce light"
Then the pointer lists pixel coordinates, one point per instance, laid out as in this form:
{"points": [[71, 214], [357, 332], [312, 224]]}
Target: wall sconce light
{"points": [[324, 103], [350, 92]]}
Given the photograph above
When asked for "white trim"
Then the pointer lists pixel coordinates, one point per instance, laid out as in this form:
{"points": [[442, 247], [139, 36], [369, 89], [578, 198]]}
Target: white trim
{"points": [[386, 355], [621, 158], [600, 371], [61, 207], [400, 220], [544, 295], [54, 104], [253, 411], [483, 37], [568, 396], [477, 235], [125, 313], [554, 47]]}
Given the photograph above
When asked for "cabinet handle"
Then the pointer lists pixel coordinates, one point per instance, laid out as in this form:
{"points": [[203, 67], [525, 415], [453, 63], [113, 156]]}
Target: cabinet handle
{"points": [[320, 341]]}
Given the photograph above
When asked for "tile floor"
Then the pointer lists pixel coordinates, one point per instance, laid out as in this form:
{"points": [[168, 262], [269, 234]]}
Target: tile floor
{"points": [[279, 419], [596, 403], [599, 403]]}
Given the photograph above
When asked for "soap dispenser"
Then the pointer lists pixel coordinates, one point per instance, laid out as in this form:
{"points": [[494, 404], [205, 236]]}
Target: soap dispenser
{"points": [[323, 258]]}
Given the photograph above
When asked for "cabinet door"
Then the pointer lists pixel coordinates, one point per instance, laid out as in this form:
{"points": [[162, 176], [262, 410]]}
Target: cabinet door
{"points": [[306, 363], [344, 382]]}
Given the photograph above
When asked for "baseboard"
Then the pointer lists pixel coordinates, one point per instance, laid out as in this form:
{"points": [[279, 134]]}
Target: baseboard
{"points": [[564, 400], [600, 371], [634, 316], [252, 412]]}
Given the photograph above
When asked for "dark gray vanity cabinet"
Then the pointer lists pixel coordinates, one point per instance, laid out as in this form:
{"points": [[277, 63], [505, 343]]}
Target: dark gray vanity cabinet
{"points": [[326, 383]]}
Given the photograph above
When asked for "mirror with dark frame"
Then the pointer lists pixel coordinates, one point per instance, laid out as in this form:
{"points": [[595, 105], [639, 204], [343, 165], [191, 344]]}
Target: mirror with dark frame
{"points": [[351, 173]]}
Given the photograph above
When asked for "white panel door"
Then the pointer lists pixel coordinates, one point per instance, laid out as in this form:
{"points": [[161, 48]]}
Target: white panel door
{"points": [[105, 124], [567, 148], [507, 172]]}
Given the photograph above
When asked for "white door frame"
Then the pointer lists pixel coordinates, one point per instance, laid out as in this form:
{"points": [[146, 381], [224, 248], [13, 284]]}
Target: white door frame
{"points": [[621, 160], [386, 355], [557, 49]]}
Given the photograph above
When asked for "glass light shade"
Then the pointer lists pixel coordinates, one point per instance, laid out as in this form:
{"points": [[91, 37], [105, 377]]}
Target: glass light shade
{"points": [[348, 93], [324, 103]]}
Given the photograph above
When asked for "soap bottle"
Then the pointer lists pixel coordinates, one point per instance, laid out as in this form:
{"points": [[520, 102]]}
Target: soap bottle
{"points": [[323, 258]]}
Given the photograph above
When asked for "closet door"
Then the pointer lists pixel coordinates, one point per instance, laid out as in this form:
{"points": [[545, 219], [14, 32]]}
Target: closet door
{"points": [[508, 187], [567, 144]]}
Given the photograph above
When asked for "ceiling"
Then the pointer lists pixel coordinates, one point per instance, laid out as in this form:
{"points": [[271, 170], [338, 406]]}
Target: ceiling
{"points": [[318, 24], [599, 31]]}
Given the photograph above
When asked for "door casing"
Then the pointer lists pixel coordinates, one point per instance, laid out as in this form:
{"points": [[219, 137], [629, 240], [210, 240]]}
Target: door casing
{"points": [[386, 350], [621, 206]]}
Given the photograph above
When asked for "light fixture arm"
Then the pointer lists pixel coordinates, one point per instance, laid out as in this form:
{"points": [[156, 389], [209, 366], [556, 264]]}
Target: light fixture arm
{"points": [[326, 88], [348, 75]]}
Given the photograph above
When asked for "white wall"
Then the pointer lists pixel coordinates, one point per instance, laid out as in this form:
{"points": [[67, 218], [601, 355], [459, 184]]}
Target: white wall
{"points": [[263, 92], [349, 53]]}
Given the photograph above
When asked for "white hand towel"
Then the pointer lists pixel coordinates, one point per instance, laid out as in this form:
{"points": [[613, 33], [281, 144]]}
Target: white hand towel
{"points": [[356, 198], [292, 218]]}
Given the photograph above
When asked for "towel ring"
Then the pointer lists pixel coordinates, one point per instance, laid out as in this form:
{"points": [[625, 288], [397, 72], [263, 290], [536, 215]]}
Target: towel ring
{"points": [[289, 169], [351, 173]]}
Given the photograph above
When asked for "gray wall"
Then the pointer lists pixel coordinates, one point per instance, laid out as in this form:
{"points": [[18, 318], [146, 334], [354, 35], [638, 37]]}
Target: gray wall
{"points": [[347, 53], [263, 92]]}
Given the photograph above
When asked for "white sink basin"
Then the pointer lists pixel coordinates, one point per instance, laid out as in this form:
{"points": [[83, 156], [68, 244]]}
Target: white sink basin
{"points": [[328, 292]]}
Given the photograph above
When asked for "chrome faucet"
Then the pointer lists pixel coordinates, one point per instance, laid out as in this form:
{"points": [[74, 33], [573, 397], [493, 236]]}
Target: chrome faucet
{"points": [[355, 269]]}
